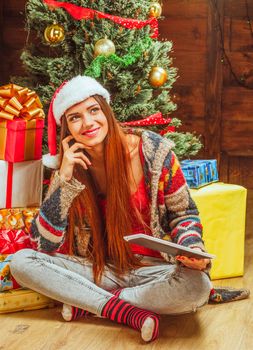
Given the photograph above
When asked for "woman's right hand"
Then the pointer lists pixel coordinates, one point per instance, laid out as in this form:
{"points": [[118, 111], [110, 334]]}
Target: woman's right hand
{"points": [[71, 158]]}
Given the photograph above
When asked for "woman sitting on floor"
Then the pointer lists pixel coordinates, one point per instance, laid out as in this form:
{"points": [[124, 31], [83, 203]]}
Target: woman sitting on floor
{"points": [[114, 182]]}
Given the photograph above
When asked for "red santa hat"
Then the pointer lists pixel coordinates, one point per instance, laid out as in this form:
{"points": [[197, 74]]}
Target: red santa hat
{"points": [[67, 95]]}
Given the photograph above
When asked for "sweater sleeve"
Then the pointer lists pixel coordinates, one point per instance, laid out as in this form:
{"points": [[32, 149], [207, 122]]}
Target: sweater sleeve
{"points": [[49, 227], [183, 216]]}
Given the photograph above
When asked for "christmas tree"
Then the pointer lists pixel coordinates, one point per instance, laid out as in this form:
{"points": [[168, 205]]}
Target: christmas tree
{"points": [[115, 42]]}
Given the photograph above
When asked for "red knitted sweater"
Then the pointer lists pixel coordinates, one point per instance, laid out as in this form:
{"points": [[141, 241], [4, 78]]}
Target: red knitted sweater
{"points": [[141, 201]]}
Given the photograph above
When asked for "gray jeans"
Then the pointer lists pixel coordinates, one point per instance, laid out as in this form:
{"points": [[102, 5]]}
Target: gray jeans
{"points": [[162, 288]]}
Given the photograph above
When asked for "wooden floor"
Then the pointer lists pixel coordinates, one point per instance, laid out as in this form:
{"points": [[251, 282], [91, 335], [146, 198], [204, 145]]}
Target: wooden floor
{"points": [[219, 327]]}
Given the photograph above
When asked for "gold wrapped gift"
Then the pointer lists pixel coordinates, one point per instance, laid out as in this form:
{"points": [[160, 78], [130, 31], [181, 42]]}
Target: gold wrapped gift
{"points": [[17, 218]]}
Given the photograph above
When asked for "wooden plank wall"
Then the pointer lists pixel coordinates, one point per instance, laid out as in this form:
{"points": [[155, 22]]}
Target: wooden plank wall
{"points": [[237, 108], [210, 100], [13, 38], [185, 24], [1, 38]]}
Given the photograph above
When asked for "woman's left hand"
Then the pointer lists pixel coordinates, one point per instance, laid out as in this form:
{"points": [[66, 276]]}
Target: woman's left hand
{"points": [[193, 263]]}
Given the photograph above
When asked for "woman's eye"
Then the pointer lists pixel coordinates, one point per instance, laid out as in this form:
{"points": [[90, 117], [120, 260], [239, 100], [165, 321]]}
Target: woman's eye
{"points": [[94, 110], [74, 118]]}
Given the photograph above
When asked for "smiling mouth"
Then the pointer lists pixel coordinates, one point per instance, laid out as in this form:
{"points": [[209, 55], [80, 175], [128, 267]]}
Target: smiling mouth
{"points": [[92, 132]]}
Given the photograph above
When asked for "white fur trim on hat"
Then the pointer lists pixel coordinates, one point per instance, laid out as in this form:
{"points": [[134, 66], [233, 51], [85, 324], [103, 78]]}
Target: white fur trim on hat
{"points": [[52, 162], [74, 91]]}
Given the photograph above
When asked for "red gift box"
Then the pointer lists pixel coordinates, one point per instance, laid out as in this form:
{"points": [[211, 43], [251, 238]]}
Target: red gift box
{"points": [[21, 140], [21, 124], [12, 241]]}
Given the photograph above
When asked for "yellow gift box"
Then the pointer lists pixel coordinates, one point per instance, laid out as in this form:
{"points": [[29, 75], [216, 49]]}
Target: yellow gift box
{"points": [[222, 209], [22, 300]]}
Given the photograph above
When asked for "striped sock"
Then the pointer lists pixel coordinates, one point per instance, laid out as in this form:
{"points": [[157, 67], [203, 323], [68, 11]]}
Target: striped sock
{"points": [[116, 292], [71, 313], [120, 311], [78, 313]]}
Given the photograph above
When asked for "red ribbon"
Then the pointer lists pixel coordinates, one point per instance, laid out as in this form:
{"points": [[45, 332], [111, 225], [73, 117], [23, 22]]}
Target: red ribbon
{"points": [[79, 13], [9, 185], [153, 119], [169, 128]]}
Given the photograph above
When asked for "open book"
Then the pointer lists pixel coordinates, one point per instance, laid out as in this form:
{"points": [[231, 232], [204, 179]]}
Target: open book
{"points": [[166, 246]]}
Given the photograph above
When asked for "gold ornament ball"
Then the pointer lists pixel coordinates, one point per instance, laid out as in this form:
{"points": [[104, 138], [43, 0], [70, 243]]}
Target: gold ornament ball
{"points": [[104, 47], [155, 9], [157, 76], [54, 33]]}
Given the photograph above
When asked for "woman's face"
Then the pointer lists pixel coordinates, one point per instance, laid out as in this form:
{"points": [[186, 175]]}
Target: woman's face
{"points": [[87, 122]]}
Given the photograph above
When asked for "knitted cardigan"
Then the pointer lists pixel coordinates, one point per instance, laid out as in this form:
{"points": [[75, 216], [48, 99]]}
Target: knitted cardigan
{"points": [[174, 215]]}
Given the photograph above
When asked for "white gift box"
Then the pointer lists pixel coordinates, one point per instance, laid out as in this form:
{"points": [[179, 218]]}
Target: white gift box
{"points": [[21, 184]]}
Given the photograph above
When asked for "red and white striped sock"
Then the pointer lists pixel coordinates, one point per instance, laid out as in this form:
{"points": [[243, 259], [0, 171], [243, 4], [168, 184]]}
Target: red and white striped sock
{"points": [[71, 313], [120, 311]]}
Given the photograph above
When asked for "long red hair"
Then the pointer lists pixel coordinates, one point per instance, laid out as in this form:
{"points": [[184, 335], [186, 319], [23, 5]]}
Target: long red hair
{"points": [[107, 244]]}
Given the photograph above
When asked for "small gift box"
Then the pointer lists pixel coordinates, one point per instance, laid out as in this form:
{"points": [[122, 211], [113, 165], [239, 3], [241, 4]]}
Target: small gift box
{"points": [[17, 218], [21, 124], [21, 184], [23, 299], [6, 280], [21, 140], [12, 241], [199, 172]]}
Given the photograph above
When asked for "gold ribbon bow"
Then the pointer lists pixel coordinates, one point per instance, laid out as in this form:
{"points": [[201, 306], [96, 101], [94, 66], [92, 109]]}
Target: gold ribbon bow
{"points": [[17, 101]]}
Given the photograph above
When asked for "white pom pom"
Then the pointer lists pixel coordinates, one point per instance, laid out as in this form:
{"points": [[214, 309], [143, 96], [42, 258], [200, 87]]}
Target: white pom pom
{"points": [[52, 162]]}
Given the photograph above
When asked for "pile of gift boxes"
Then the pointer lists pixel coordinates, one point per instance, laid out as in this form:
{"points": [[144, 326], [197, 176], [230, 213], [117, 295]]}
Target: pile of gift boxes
{"points": [[21, 129]]}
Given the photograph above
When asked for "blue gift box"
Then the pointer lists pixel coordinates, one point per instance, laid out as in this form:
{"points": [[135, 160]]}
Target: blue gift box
{"points": [[199, 173]]}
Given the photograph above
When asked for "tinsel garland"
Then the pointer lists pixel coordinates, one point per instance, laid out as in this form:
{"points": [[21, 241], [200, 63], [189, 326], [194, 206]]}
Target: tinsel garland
{"points": [[80, 13], [95, 68]]}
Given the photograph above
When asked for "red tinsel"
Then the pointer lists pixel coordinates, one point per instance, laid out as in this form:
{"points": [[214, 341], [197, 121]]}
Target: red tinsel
{"points": [[79, 13], [169, 128], [154, 119]]}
